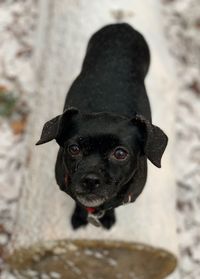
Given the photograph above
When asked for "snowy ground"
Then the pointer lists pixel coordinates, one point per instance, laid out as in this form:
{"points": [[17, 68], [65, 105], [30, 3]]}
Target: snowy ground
{"points": [[182, 25], [17, 26], [183, 33]]}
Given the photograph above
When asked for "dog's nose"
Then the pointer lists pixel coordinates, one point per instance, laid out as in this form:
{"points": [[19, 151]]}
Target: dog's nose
{"points": [[91, 181]]}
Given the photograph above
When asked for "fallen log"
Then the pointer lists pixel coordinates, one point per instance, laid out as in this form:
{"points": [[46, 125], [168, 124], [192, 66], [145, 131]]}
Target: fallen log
{"points": [[143, 242]]}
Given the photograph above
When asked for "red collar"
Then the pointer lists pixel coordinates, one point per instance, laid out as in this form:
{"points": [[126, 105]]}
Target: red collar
{"points": [[90, 209]]}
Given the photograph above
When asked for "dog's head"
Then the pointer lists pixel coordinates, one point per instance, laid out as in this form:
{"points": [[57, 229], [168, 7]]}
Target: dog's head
{"points": [[101, 151]]}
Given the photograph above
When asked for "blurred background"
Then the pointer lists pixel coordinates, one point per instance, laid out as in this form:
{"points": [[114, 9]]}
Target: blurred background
{"points": [[180, 24]]}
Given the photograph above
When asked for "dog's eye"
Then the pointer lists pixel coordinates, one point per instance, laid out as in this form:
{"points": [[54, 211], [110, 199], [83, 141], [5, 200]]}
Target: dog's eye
{"points": [[120, 153], [74, 149]]}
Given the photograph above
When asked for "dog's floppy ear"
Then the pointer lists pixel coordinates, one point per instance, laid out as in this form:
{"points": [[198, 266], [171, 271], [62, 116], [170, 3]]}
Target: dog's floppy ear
{"points": [[154, 139], [52, 129]]}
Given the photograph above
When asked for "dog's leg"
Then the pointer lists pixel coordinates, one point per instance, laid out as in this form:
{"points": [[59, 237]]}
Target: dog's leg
{"points": [[79, 217], [109, 219]]}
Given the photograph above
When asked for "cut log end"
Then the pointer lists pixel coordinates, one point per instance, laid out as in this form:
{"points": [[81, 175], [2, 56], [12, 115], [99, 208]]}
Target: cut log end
{"points": [[92, 259]]}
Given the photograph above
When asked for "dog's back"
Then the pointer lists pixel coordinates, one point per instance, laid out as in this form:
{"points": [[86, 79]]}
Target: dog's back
{"points": [[113, 72], [119, 48]]}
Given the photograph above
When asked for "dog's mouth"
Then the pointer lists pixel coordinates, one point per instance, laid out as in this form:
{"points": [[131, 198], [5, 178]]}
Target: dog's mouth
{"points": [[90, 200]]}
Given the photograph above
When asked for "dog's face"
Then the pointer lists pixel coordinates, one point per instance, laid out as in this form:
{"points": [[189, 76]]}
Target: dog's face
{"points": [[100, 155], [102, 151]]}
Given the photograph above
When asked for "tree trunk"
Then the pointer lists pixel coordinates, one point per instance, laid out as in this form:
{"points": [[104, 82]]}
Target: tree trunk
{"points": [[143, 242]]}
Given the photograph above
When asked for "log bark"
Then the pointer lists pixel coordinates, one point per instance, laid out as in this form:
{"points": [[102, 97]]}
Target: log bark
{"points": [[145, 233]]}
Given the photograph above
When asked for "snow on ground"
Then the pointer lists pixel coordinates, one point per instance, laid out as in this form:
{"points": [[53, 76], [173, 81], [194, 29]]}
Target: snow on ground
{"points": [[183, 32], [17, 25], [182, 25]]}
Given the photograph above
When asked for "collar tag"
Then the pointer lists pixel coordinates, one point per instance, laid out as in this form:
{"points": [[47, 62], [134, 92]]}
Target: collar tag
{"points": [[94, 218]]}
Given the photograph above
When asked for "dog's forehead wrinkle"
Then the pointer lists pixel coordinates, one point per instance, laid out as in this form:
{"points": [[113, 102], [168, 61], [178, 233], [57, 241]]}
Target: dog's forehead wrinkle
{"points": [[102, 120], [93, 127], [104, 116], [99, 139]]}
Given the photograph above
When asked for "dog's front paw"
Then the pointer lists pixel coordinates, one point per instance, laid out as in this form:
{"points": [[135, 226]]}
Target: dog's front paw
{"points": [[78, 222], [108, 220], [79, 218]]}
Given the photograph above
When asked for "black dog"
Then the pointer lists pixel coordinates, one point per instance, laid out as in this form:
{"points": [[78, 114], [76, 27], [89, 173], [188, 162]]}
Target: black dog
{"points": [[105, 132]]}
